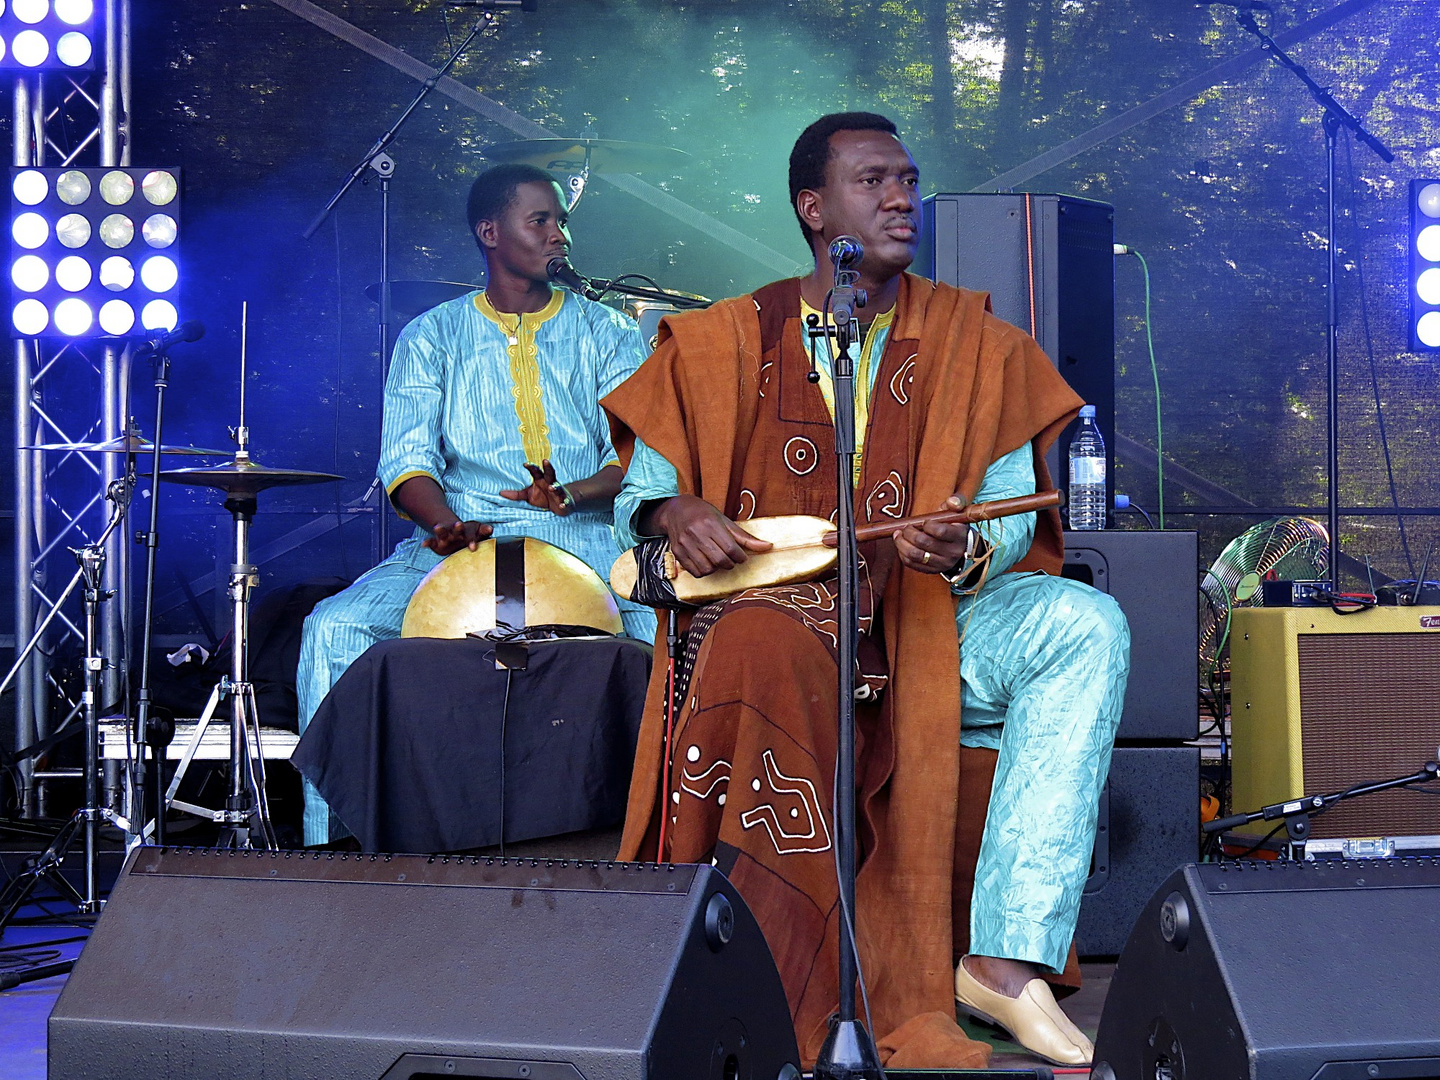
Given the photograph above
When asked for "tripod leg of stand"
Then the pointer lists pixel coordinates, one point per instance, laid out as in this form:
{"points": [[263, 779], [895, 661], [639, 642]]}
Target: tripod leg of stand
{"points": [[189, 755], [257, 777], [46, 868]]}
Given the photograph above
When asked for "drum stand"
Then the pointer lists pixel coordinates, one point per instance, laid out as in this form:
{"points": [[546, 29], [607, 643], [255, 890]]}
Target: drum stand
{"points": [[85, 822], [246, 810]]}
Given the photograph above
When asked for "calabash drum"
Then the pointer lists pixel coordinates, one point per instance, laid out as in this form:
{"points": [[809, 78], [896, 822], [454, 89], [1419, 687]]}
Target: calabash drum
{"points": [[507, 584]]}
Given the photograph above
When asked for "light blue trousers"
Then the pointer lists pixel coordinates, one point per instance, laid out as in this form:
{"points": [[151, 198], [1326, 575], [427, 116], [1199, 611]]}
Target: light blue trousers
{"points": [[1043, 666], [344, 625]]}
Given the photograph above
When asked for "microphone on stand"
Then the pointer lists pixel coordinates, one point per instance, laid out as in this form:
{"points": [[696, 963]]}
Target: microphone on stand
{"points": [[846, 252], [190, 330], [561, 272]]}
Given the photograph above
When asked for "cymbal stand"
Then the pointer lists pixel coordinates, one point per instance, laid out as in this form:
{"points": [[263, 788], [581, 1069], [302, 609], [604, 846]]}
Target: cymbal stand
{"points": [[246, 807], [85, 822], [246, 811]]}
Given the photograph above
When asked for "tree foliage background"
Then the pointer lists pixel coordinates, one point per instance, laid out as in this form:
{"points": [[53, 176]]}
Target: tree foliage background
{"points": [[1223, 194]]}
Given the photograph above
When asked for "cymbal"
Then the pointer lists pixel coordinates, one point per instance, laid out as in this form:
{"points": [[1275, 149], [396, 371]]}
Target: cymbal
{"points": [[128, 444], [605, 155], [244, 477], [411, 298]]}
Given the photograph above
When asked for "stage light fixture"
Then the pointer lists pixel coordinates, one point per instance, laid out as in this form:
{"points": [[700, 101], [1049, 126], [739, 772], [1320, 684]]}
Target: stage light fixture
{"points": [[31, 317], [1424, 265], [159, 315], [36, 35], [117, 318], [95, 251]]}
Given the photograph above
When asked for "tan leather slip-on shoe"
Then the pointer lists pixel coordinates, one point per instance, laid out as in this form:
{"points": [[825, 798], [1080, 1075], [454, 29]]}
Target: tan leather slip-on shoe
{"points": [[1033, 1019]]}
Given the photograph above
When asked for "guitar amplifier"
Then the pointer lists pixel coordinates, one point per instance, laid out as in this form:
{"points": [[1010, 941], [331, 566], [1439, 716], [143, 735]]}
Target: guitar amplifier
{"points": [[1320, 702]]}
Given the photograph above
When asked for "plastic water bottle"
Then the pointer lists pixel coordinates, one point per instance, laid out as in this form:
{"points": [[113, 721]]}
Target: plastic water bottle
{"points": [[1087, 474]]}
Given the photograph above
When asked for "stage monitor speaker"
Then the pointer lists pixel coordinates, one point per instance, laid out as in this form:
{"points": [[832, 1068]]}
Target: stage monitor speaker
{"points": [[1048, 263], [1279, 971], [1152, 576], [255, 965], [1320, 702], [1148, 825]]}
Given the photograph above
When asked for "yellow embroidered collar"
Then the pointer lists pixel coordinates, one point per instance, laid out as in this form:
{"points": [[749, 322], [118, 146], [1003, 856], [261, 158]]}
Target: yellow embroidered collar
{"points": [[512, 325]]}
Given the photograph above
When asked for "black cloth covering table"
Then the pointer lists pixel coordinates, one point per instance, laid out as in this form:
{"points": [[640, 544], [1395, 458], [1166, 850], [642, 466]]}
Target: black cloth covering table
{"points": [[406, 747]]}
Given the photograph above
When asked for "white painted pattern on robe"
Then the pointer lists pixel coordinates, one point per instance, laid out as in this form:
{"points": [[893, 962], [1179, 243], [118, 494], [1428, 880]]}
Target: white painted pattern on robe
{"points": [[766, 814]]}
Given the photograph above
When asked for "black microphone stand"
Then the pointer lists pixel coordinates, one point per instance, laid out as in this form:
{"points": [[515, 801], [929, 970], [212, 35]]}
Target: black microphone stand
{"points": [[149, 731], [384, 166], [849, 1050], [1296, 813], [1335, 116], [596, 288]]}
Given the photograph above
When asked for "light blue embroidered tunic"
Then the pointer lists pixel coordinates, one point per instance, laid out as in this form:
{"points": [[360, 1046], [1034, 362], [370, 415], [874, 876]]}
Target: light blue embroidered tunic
{"points": [[472, 395]]}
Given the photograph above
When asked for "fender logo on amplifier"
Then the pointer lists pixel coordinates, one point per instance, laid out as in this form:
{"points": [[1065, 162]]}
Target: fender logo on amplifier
{"points": [[1430, 622]]}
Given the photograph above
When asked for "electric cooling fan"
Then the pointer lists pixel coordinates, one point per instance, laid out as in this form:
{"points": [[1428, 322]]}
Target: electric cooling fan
{"points": [[1287, 548]]}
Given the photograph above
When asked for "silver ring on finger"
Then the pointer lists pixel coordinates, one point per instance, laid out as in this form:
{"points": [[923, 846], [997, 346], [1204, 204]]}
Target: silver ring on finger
{"points": [[925, 558]]}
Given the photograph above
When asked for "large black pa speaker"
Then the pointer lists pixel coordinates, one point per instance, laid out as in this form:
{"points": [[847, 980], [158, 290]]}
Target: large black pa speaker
{"points": [[262, 965], [1152, 577], [1148, 826], [1279, 971], [1048, 263]]}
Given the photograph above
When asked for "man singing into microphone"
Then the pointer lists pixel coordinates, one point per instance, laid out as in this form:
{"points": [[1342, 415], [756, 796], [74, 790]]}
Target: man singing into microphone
{"points": [[724, 423], [483, 390]]}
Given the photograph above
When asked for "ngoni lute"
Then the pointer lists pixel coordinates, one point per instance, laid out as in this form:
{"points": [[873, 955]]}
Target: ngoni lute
{"points": [[803, 551]]}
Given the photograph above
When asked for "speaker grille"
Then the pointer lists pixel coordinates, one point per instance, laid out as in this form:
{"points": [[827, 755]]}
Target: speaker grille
{"points": [[1370, 710]]}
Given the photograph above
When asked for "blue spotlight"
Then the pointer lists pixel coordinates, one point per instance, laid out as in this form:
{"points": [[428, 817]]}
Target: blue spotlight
{"points": [[36, 35], [1424, 265], [95, 251]]}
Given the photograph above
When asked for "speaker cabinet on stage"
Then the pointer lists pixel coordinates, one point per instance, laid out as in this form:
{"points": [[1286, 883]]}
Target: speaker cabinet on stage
{"points": [[252, 965], [1152, 577], [1279, 971], [1320, 701], [1149, 819], [1048, 263]]}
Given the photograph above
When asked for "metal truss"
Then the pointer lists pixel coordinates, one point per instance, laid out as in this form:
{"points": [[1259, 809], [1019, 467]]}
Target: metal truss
{"points": [[72, 392]]}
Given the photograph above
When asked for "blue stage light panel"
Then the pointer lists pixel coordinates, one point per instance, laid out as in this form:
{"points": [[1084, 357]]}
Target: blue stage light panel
{"points": [[1425, 265], [94, 252], [49, 35]]}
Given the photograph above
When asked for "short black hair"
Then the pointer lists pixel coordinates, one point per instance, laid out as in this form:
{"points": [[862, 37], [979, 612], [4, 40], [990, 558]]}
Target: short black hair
{"points": [[811, 152], [494, 190]]}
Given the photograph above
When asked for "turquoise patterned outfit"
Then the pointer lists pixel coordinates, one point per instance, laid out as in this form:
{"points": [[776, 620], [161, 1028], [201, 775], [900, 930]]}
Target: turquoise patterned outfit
{"points": [[1043, 666], [472, 395]]}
